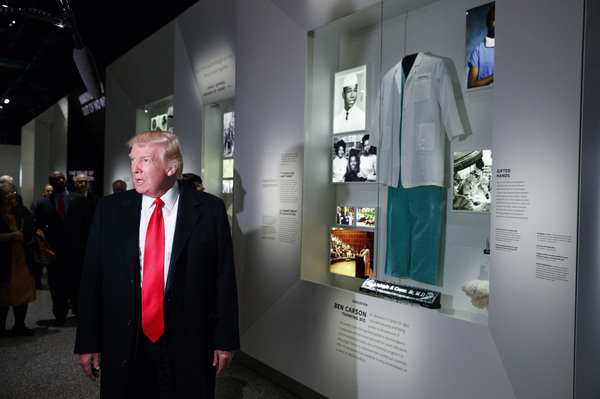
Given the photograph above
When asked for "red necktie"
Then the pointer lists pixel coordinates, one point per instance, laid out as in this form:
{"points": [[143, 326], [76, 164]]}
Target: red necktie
{"points": [[153, 322], [61, 207]]}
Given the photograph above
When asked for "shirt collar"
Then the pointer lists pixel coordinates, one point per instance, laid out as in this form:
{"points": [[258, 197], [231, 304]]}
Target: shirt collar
{"points": [[490, 41], [169, 198]]}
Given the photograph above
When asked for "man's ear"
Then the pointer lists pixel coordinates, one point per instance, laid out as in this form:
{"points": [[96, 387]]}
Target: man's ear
{"points": [[172, 168]]}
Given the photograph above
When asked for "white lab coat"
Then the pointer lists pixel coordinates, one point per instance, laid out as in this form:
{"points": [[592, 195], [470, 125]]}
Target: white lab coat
{"points": [[429, 103]]}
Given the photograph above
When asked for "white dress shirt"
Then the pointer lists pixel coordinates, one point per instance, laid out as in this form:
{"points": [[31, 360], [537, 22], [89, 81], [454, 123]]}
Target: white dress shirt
{"points": [[355, 120], [171, 200], [428, 109]]}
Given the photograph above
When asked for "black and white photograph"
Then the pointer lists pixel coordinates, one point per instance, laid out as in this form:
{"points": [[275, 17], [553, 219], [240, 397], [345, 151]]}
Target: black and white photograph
{"points": [[480, 44], [353, 159], [350, 100], [344, 215], [351, 252], [228, 133], [159, 122], [472, 181], [227, 186], [365, 217]]}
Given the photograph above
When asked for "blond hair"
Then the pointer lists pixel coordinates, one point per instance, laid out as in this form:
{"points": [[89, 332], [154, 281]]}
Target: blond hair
{"points": [[166, 140]]}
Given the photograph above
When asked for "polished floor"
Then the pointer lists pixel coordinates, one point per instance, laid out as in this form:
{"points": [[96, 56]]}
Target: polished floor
{"points": [[44, 366]]}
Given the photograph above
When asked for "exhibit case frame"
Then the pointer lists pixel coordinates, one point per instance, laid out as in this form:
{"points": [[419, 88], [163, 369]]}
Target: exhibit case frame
{"points": [[218, 154], [374, 40]]}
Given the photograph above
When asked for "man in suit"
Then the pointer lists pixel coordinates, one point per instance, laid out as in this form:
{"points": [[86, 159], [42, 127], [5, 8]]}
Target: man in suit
{"points": [[197, 325], [64, 217], [82, 185]]}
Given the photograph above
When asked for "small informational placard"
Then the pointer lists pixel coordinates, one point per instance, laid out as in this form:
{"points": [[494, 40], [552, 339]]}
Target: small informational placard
{"points": [[217, 77], [424, 297]]}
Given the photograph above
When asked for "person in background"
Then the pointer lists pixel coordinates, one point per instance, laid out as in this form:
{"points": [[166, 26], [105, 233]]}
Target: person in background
{"points": [[368, 160], [119, 186], [64, 218], [481, 61], [17, 284], [366, 254], [353, 168], [193, 181], [9, 180], [82, 186], [48, 190], [163, 316], [340, 163]]}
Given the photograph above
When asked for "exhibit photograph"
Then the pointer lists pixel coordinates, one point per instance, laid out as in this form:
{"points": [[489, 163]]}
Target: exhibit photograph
{"points": [[480, 44], [472, 183], [353, 159], [350, 100], [351, 252]]}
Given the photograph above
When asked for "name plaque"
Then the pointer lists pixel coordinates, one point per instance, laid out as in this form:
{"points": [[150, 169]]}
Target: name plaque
{"points": [[426, 298]]}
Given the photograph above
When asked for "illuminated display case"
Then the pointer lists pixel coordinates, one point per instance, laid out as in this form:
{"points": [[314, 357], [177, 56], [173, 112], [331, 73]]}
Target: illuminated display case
{"points": [[346, 208]]}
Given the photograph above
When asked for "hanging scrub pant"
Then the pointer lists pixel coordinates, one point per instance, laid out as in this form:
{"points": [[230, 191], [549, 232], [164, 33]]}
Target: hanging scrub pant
{"points": [[414, 224]]}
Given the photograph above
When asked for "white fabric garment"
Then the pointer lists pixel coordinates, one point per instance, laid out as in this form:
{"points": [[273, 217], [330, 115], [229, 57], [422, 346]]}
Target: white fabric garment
{"points": [[355, 120], [429, 103], [169, 211], [339, 169], [368, 166]]}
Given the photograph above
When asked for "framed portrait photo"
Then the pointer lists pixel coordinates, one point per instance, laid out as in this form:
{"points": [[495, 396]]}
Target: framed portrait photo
{"points": [[365, 217], [344, 216], [480, 44], [353, 159], [351, 252], [228, 133], [350, 100], [472, 185]]}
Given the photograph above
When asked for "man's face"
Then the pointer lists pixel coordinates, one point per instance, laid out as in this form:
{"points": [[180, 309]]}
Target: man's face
{"points": [[349, 94], [152, 177], [82, 183], [48, 190], [340, 151], [353, 163], [491, 24], [57, 181], [119, 187]]}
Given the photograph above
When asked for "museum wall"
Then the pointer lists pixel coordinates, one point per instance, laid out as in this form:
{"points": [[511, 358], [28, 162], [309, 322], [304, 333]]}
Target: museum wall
{"points": [[536, 145], [323, 332], [588, 272], [311, 310], [529, 119]]}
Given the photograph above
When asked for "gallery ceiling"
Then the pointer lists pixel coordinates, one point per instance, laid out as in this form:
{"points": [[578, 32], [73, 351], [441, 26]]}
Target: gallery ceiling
{"points": [[36, 56]]}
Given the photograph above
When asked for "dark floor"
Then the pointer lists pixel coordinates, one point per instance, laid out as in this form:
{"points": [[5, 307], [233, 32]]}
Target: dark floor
{"points": [[44, 366]]}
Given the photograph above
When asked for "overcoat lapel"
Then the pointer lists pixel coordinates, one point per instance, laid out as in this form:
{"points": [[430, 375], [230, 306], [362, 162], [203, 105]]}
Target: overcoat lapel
{"points": [[188, 214], [129, 219]]}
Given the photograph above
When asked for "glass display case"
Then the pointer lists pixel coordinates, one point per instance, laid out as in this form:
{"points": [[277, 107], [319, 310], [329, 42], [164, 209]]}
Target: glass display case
{"points": [[390, 126], [218, 151]]}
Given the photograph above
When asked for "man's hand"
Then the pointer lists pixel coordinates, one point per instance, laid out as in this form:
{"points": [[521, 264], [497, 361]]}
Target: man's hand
{"points": [[90, 364], [222, 360]]}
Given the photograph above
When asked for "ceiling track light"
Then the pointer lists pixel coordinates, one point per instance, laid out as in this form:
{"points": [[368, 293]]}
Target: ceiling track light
{"points": [[84, 60]]}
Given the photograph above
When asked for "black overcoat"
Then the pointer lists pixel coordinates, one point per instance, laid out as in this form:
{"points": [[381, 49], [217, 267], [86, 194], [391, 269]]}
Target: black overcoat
{"points": [[200, 302]]}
